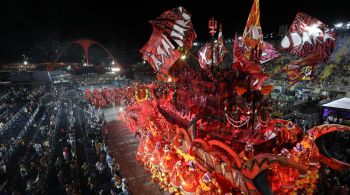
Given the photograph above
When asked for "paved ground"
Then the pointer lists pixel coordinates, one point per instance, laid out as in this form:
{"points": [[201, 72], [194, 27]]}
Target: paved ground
{"points": [[123, 145]]}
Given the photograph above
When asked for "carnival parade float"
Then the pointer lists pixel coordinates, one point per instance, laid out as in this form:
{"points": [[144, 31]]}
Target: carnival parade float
{"points": [[208, 129]]}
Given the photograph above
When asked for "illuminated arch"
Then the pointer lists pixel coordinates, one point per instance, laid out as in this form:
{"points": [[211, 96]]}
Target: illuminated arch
{"points": [[86, 44]]}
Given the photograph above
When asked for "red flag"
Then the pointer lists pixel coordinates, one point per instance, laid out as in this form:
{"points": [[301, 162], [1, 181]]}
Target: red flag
{"points": [[308, 35], [221, 49], [160, 52], [300, 73], [173, 26], [241, 63], [252, 35], [301, 69], [204, 56], [177, 25]]}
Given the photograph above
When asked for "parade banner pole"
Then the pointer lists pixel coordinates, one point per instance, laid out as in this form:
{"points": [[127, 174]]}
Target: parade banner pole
{"points": [[212, 26]]}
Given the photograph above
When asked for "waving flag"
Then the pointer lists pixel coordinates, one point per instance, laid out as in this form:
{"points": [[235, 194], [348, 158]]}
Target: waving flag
{"points": [[252, 35], [177, 25], [308, 35], [204, 53], [204, 56], [221, 49], [160, 52], [301, 74], [241, 63], [302, 69], [269, 53], [172, 32]]}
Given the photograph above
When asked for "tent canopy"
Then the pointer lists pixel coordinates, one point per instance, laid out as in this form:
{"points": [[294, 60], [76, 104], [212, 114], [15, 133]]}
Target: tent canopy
{"points": [[343, 103]]}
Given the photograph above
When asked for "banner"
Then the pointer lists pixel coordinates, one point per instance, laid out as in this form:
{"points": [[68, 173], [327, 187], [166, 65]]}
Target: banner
{"points": [[252, 35], [308, 35], [172, 32], [177, 25], [204, 56], [219, 51], [302, 69], [240, 62], [160, 52], [269, 53]]}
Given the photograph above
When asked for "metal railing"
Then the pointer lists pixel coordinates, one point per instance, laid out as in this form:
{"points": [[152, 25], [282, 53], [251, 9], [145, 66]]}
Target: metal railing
{"points": [[4, 129]]}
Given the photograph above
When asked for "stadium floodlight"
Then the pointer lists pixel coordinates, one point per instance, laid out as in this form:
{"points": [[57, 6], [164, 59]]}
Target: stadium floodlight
{"points": [[339, 25], [115, 69], [25, 62], [113, 62]]}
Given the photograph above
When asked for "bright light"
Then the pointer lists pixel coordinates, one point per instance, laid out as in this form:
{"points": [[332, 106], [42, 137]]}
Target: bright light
{"points": [[348, 24], [313, 30], [169, 79], [339, 25], [239, 38], [25, 62], [195, 44], [115, 69], [144, 62], [68, 67], [121, 109], [84, 64], [113, 62], [183, 57]]}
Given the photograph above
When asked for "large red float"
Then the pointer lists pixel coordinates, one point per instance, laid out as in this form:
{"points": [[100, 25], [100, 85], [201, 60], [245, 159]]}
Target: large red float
{"points": [[210, 131]]}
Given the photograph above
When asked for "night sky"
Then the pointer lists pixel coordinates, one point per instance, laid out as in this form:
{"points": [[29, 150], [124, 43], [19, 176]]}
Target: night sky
{"points": [[122, 25]]}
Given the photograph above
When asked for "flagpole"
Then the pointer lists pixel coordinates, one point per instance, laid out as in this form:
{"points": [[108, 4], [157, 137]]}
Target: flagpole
{"points": [[212, 26], [212, 54]]}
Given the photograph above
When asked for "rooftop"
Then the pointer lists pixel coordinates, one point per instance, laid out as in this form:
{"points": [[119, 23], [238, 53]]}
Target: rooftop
{"points": [[343, 103]]}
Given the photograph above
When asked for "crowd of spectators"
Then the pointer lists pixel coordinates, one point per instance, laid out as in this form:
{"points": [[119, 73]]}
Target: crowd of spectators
{"points": [[15, 135], [94, 79], [59, 148]]}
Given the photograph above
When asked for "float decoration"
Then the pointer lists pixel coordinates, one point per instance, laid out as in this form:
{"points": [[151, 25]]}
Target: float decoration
{"points": [[211, 132]]}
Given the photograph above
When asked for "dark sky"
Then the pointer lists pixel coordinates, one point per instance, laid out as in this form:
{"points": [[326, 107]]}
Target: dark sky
{"points": [[123, 24]]}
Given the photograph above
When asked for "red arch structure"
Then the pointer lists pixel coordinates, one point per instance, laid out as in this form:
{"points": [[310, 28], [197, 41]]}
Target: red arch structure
{"points": [[85, 44]]}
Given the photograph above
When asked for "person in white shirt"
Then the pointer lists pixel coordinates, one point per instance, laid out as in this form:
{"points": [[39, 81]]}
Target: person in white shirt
{"points": [[330, 119]]}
